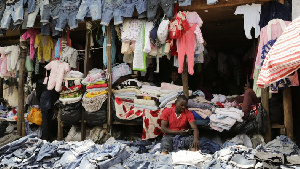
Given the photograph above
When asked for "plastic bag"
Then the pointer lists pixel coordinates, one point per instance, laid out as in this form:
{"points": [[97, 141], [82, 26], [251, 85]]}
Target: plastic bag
{"points": [[35, 116]]}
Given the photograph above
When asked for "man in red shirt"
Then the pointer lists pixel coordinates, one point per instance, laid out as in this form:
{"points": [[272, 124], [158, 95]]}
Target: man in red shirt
{"points": [[175, 121]]}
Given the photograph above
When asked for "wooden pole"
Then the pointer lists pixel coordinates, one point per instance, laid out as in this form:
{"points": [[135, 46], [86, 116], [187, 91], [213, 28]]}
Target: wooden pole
{"points": [[88, 26], [185, 79], [108, 51], [288, 114], [265, 104], [20, 116], [60, 125], [1, 87]]}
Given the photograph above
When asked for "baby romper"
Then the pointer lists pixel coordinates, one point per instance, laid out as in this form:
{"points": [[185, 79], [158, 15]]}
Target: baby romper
{"points": [[186, 46], [58, 70]]}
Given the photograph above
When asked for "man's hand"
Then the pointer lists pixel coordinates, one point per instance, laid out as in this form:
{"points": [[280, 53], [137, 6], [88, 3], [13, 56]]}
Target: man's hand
{"points": [[196, 144], [183, 132]]}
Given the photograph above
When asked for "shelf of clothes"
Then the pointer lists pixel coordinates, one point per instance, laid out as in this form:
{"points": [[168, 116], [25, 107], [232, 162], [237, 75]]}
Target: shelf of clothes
{"points": [[240, 151]]}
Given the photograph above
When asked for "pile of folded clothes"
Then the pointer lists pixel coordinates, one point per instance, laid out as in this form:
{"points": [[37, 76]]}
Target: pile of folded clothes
{"points": [[201, 108], [96, 83], [94, 99], [70, 98], [225, 118]]}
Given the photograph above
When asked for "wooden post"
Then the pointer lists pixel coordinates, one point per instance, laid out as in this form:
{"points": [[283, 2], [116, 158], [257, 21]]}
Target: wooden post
{"points": [[20, 116], [59, 127], [87, 47], [88, 27], [1, 87], [108, 51], [288, 115], [185, 79], [265, 104]]}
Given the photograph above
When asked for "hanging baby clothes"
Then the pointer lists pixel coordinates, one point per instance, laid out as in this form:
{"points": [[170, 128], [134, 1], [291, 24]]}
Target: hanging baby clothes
{"points": [[186, 46], [58, 70], [31, 33], [113, 46], [13, 56], [282, 83], [267, 33], [268, 36], [45, 46], [251, 18], [140, 57], [69, 55], [148, 27]]}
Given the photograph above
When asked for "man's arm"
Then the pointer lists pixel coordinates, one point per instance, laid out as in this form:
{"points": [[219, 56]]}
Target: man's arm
{"points": [[196, 143], [166, 130]]}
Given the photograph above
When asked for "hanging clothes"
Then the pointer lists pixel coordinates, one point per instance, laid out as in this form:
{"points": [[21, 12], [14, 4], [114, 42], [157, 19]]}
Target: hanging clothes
{"points": [[31, 33], [251, 18], [112, 43], [140, 57], [283, 59], [186, 46], [271, 31], [275, 10], [45, 46]]}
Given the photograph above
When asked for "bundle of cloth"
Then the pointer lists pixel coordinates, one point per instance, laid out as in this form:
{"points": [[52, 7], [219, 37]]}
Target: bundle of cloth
{"points": [[96, 83], [201, 109], [72, 89], [225, 118], [223, 101]]}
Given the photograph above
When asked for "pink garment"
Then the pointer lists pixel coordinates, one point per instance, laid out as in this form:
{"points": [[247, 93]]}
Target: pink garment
{"points": [[194, 18], [186, 46], [58, 71], [276, 31], [294, 79], [199, 35], [31, 33], [93, 77]]}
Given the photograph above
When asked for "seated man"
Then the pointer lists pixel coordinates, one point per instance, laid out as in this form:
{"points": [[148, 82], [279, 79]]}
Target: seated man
{"points": [[175, 121]]}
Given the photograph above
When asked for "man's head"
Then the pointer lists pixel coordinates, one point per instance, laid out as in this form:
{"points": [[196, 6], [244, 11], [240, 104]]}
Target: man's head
{"points": [[174, 75], [181, 103]]}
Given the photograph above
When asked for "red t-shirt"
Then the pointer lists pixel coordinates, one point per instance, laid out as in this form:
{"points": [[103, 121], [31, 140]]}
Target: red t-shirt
{"points": [[177, 123]]}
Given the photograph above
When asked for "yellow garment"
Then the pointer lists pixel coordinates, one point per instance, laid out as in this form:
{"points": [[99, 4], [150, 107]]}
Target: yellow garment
{"points": [[95, 93], [45, 46], [101, 82], [35, 116]]}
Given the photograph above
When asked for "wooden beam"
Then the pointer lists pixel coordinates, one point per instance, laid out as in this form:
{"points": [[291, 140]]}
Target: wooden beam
{"points": [[59, 127], [265, 104], [108, 52], [197, 5], [20, 116], [185, 79], [288, 115], [1, 87]]}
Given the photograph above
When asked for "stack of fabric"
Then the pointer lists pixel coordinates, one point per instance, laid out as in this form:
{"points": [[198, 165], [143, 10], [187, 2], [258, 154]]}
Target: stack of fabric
{"points": [[70, 98], [96, 83], [201, 109], [225, 118], [134, 99], [94, 100]]}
